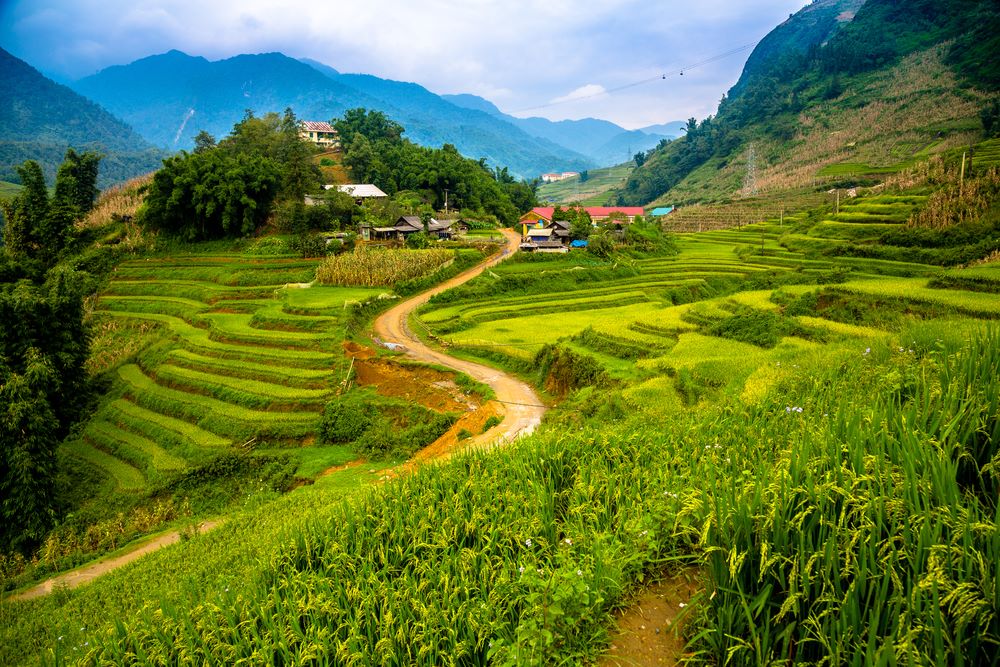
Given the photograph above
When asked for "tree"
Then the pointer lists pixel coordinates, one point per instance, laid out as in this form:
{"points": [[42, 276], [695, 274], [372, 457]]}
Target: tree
{"points": [[212, 194], [76, 182], [639, 159], [990, 115], [43, 390], [584, 176], [203, 141], [38, 229], [360, 158], [601, 244]]}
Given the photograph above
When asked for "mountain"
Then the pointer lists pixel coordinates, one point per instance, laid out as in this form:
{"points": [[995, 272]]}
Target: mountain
{"points": [[807, 29], [170, 97], [432, 120], [40, 119], [603, 142], [841, 93], [671, 130]]}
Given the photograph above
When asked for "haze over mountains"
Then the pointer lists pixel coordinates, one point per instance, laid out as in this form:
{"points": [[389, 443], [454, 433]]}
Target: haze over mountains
{"points": [[169, 98], [40, 119]]}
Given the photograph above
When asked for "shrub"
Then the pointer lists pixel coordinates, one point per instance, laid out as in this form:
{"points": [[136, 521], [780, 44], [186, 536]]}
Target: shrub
{"points": [[343, 422]]}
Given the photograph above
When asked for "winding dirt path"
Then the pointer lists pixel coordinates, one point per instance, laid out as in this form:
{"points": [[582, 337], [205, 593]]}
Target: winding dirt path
{"points": [[88, 573], [516, 401]]}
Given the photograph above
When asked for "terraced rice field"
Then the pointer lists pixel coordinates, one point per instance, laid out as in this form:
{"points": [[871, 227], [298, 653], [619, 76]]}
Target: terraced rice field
{"points": [[653, 322], [242, 359]]}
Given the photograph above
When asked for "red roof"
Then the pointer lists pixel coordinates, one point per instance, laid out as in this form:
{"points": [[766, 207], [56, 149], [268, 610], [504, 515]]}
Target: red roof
{"points": [[316, 126], [595, 211]]}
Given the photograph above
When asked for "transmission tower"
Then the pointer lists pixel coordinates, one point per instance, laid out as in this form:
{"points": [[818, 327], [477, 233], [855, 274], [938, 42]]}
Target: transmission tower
{"points": [[750, 180]]}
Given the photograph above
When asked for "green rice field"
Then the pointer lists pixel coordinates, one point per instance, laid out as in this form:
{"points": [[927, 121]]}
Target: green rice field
{"points": [[242, 359]]}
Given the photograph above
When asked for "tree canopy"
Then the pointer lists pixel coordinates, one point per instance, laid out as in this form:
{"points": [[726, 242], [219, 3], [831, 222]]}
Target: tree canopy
{"points": [[226, 189], [376, 152]]}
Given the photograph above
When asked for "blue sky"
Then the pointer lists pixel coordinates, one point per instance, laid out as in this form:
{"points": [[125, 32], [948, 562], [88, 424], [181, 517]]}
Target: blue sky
{"points": [[554, 59]]}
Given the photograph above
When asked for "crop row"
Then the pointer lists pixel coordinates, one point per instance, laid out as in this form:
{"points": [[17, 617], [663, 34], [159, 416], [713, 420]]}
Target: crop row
{"points": [[140, 452], [213, 415], [253, 394]]}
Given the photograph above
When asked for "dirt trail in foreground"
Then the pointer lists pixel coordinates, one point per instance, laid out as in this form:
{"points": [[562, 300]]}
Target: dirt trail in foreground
{"points": [[87, 574], [516, 402]]}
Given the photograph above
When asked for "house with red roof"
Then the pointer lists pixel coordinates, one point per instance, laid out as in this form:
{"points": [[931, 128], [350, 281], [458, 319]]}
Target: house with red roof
{"points": [[322, 134], [541, 217]]}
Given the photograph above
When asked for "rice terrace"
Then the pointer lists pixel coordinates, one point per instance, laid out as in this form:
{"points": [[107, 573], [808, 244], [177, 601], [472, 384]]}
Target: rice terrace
{"points": [[305, 367]]}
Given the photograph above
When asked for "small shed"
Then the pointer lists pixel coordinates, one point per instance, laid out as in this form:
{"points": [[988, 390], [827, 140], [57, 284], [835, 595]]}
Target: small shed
{"points": [[661, 211]]}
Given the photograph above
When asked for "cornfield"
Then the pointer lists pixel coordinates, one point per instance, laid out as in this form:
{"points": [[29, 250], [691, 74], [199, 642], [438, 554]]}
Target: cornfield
{"points": [[373, 268]]}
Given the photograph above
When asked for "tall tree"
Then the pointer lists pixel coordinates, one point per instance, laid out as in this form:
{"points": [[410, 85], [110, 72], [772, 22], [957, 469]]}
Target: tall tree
{"points": [[76, 181], [43, 389]]}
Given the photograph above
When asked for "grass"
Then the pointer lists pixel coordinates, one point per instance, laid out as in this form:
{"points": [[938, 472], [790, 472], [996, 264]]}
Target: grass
{"points": [[816, 533], [593, 192]]}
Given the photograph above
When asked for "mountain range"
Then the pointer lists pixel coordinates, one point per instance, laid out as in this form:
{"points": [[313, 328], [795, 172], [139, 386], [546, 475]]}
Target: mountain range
{"points": [[169, 98]]}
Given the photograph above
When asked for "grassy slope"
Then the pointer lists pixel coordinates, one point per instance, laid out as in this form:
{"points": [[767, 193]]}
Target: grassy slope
{"points": [[618, 523], [883, 122], [593, 192]]}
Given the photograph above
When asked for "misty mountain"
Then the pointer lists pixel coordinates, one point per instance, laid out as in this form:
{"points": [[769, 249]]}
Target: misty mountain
{"points": [[170, 97], [602, 141], [40, 119]]}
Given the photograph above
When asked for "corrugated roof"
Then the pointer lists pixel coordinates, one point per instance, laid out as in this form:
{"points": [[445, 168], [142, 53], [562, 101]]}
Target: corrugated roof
{"points": [[316, 126], [362, 190], [595, 211]]}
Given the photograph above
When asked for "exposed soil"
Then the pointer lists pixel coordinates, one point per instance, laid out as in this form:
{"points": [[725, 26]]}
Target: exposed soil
{"points": [[649, 633], [449, 443], [429, 387]]}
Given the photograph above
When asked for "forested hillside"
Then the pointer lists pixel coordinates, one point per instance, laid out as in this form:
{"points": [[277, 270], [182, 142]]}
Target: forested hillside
{"points": [[898, 81], [40, 119]]}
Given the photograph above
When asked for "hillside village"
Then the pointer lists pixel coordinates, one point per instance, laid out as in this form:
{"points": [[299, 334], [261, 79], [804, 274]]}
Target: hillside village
{"points": [[428, 383]]}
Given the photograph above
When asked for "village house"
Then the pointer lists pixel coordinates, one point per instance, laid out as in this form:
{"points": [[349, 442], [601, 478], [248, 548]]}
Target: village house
{"points": [[406, 226], [541, 217], [359, 191], [320, 133], [552, 178]]}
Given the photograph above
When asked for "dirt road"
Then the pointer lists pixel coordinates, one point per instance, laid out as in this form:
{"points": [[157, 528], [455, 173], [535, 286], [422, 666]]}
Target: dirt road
{"points": [[518, 403], [87, 574]]}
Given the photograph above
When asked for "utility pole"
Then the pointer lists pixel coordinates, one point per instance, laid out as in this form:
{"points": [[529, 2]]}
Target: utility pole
{"points": [[446, 201], [750, 181], [961, 178]]}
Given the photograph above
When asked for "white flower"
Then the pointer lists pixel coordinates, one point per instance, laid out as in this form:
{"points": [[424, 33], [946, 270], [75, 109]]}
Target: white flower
{"points": [[868, 350], [521, 569], [527, 542], [682, 605], [568, 541], [579, 573]]}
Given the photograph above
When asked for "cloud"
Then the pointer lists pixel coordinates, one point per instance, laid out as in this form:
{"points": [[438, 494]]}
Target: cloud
{"points": [[519, 53], [591, 90]]}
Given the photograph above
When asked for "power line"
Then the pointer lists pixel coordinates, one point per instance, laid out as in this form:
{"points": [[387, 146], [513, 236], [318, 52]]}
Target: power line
{"points": [[660, 77]]}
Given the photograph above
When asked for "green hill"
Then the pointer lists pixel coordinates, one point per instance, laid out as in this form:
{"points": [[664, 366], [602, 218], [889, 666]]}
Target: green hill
{"points": [[896, 84], [40, 119]]}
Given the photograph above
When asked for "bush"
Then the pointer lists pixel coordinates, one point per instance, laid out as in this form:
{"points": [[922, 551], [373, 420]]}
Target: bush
{"points": [[343, 422]]}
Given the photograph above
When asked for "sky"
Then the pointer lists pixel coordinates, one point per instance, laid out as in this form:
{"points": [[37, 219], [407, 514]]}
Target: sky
{"points": [[557, 59]]}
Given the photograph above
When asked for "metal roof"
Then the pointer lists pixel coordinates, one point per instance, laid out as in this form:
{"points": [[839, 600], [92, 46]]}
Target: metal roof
{"points": [[361, 190], [316, 126]]}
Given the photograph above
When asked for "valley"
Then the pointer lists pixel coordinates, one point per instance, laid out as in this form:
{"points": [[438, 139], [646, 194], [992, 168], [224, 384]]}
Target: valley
{"points": [[331, 394]]}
